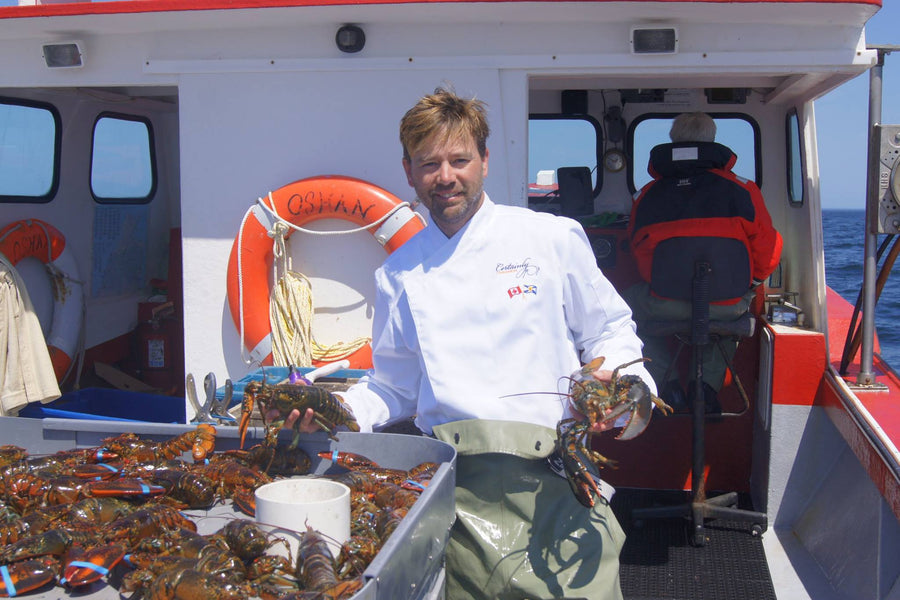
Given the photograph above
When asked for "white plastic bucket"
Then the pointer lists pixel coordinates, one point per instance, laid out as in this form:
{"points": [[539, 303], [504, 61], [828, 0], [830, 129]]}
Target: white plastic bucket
{"points": [[287, 506]]}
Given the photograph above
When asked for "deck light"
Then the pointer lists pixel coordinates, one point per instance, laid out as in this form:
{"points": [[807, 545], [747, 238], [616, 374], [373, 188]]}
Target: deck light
{"points": [[654, 40], [63, 55], [350, 38]]}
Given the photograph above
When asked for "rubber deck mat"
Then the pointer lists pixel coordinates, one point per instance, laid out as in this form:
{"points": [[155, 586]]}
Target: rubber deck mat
{"points": [[659, 562]]}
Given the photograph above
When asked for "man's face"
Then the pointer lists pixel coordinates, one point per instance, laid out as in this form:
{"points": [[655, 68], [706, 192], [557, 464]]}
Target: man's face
{"points": [[448, 176]]}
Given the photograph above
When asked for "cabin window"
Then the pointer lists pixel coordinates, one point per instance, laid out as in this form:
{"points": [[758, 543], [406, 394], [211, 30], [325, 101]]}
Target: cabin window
{"points": [[123, 168], [30, 138], [556, 141], [738, 132], [795, 179]]}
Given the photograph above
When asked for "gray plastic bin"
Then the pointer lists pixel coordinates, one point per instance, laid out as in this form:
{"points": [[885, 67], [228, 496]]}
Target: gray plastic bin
{"points": [[409, 565]]}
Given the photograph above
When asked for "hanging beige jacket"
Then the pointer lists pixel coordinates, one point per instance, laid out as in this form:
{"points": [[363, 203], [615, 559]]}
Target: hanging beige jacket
{"points": [[26, 373]]}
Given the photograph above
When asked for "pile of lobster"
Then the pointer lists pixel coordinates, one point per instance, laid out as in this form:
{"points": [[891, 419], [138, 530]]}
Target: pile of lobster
{"points": [[120, 515]]}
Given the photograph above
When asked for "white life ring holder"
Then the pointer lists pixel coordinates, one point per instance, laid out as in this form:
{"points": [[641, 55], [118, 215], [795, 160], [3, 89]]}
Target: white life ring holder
{"points": [[39, 239], [389, 219]]}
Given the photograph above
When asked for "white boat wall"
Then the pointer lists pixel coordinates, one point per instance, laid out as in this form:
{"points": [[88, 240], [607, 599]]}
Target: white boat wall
{"points": [[242, 98]]}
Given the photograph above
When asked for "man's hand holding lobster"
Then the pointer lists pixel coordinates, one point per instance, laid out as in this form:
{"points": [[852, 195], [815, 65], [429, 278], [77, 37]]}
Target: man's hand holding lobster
{"points": [[605, 376], [301, 407], [306, 420], [608, 399], [599, 400]]}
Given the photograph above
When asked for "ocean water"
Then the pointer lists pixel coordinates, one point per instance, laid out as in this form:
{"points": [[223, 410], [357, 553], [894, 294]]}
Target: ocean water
{"points": [[843, 231]]}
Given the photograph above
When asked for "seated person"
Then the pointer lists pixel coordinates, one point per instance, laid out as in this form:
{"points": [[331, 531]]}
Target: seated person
{"points": [[694, 193]]}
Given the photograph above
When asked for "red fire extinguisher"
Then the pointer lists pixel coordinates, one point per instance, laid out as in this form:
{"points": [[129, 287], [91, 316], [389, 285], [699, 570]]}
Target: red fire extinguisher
{"points": [[155, 338]]}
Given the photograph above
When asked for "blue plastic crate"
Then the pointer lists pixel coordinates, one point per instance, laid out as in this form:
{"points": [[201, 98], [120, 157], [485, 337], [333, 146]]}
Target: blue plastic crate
{"points": [[102, 404]]}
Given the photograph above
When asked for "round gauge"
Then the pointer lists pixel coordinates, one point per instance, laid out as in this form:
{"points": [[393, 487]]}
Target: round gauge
{"points": [[895, 181], [614, 160], [602, 247]]}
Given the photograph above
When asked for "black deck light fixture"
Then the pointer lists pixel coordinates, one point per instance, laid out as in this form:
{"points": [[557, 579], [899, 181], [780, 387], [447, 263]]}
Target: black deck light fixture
{"points": [[654, 40], [350, 38], [63, 55]]}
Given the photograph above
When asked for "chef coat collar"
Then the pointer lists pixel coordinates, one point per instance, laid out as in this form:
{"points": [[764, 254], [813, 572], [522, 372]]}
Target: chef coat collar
{"points": [[437, 236]]}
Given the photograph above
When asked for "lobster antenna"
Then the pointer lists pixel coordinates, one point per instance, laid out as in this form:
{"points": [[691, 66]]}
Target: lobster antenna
{"points": [[533, 394], [571, 381]]}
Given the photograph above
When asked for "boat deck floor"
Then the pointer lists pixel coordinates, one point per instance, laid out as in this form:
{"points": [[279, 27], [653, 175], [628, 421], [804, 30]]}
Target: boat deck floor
{"points": [[659, 562]]}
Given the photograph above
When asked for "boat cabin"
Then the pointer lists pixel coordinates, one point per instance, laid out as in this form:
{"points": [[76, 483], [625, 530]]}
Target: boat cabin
{"points": [[146, 132]]}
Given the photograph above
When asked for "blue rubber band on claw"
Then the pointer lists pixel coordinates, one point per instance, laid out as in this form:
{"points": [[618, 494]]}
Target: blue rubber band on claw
{"points": [[89, 565], [8, 582]]}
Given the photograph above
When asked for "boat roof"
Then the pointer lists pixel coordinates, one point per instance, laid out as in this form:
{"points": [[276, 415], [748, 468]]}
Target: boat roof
{"points": [[849, 12], [803, 48]]}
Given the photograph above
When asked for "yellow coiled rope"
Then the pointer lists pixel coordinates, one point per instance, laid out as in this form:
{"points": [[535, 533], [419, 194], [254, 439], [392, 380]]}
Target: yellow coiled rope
{"points": [[291, 312]]}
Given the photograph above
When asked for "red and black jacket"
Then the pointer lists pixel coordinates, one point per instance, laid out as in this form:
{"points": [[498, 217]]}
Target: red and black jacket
{"points": [[695, 194]]}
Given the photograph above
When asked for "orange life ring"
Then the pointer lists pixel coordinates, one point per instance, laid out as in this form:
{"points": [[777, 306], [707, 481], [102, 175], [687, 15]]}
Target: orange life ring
{"points": [[38, 239], [301, 202]]}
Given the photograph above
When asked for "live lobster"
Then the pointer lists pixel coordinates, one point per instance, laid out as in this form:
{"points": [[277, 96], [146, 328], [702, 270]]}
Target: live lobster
{"points": [[284, 398], [598, 402], [155, 551]]}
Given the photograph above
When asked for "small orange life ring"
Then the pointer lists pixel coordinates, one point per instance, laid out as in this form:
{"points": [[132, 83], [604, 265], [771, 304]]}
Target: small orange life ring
{"points": [[38, 239], [301, 202]]}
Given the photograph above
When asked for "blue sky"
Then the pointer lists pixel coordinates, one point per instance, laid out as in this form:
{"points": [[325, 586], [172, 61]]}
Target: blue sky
{"points": [[842, 116]]}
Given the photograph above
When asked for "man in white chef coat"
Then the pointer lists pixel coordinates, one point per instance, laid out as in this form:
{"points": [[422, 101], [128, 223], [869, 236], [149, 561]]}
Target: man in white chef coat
{"points": [[477, 317]]}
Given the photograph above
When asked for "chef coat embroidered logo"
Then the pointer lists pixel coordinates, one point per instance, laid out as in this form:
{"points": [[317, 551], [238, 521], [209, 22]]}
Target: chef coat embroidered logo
{"points": [[521, 268], [522, 289]]}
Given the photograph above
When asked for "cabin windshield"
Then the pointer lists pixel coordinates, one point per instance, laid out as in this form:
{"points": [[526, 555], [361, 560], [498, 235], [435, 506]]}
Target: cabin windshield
{"points": [[735, 131], [563, 141]]}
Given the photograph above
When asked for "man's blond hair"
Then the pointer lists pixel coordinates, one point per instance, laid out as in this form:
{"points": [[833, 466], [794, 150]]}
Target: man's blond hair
{"points": [[446, 115]]}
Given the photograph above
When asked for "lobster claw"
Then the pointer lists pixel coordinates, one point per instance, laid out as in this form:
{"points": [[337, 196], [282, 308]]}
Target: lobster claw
{"points": [[587, 371], [204, 442], [126, 486], [246, 413], [99, 470], [87, 566], [27, 575], [53, 541], [244, 500], [579, 469], [641, 401], [245, 420], [415, 486], [349, 460], [580, 481]]}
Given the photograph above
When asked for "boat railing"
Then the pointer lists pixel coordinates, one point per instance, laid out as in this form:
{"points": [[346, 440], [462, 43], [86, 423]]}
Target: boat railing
{"points": [[882, 216]]}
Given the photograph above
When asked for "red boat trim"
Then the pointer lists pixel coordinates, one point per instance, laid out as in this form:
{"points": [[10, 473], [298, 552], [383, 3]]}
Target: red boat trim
{"points": [[869, 445], [146, 6], [800, 357], [868, 419]]}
